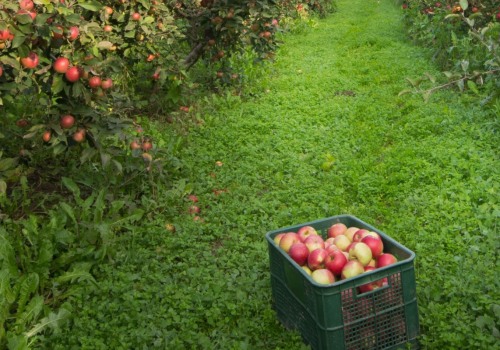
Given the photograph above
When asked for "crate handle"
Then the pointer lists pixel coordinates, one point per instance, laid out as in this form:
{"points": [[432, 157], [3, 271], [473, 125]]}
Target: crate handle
{"points": [[357, 294]]}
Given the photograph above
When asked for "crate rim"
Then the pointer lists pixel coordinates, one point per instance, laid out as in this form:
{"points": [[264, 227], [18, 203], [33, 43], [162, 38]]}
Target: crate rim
{"points": [[365, 277]]}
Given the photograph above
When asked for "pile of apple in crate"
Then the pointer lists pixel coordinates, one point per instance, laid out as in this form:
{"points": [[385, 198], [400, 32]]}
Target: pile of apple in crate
{"points": [[346, 252], [344, 285]]}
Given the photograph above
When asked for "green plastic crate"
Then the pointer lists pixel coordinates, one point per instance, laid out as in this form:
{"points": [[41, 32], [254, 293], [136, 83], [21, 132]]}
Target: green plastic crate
{"points": [[336, 316]]}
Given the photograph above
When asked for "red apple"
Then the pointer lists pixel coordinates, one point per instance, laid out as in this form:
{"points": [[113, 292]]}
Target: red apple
{"points": [[332, 248], [194, 209], [61, 65], [313, 242], [316, 259], [134, 145], [74, 32], [193, 198], [147, 146], [67, 121], [361, 252], [288, 240], [385, 260], [46, 136], [336, 230], [335, 262], [94, 82], [5, 35], [107, 28], [342, 242], [72, 74], [31, 61], [32, 14], [306, 231], [349, 233], [299, 253], [351, 269], [79, 135], [376, 245], [329, 242], [136, 16], [107, 84], [359, 235], [277, 238], [1, 70], [372, 263], [323, 276], [26, 5], [372, 285]]}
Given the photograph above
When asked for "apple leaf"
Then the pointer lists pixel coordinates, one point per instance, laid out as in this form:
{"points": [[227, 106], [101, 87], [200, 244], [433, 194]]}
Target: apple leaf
{"points": [[3, 187], [464, 4], [90, 5], [104, 44], [18, 41]]}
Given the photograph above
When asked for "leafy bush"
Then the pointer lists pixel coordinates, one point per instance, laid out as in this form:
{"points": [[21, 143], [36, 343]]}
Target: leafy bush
{"points": [[464, 38]]}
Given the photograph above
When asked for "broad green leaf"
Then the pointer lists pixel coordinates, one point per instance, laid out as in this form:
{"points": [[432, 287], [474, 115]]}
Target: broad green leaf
{"points": [[464, 4], [472, 86], [69, 211], [18, 41], [72, 186], [3, 187], [90, 5], [53, 321], [104, 45], [8, 163]]}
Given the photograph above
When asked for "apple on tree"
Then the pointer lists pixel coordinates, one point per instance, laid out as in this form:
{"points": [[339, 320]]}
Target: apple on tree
{"points": [[30, 61]]}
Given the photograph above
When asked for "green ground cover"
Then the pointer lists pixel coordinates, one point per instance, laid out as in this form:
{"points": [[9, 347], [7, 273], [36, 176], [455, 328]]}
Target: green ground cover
{"points": [[326, 134]]}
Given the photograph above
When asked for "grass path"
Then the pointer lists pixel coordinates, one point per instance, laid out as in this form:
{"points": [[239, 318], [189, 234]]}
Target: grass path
{"points": [[329, 136]]}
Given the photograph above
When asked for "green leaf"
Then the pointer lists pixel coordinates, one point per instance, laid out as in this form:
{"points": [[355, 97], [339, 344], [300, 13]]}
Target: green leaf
{"points": [[104, 45], [53, 321], [472, 86], [18, 41], [464, 4], [3, 187], [72, 186], [8, 164], [69, 211], [90, 5]]}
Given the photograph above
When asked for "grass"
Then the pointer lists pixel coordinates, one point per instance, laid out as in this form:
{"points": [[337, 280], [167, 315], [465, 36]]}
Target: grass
{"points": [[326, 135]]}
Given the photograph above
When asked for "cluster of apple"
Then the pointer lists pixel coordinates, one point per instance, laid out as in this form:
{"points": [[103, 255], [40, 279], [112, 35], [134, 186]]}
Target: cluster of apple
{"points": [[345, 253]]}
